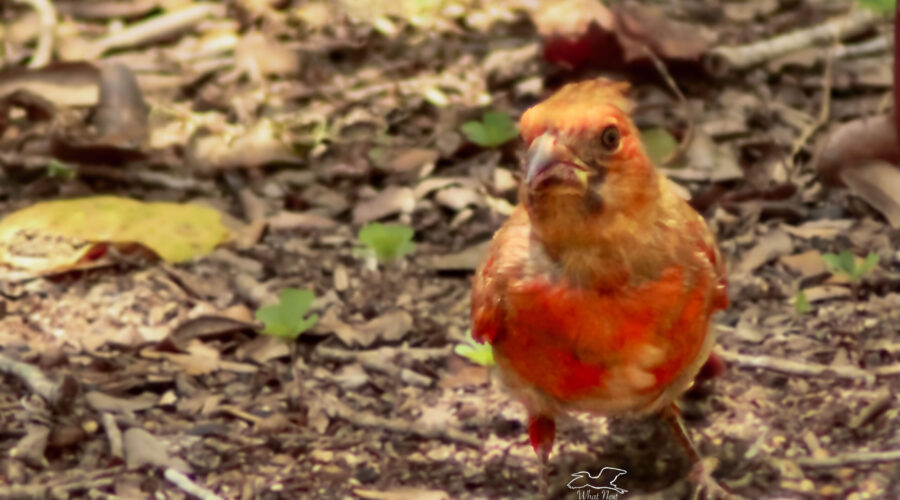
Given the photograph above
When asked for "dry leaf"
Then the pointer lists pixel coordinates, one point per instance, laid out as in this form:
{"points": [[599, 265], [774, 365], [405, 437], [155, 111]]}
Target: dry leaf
{"points": [[391, 201], [466, 259], [806, 264], [103, 402], [142, 448], [773, 244], [55, 236], [854, 144], [878, 183]]}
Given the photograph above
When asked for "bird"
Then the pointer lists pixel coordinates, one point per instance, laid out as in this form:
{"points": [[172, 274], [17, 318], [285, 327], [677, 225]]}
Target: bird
{"points": [[597, 293], [584, 479]]}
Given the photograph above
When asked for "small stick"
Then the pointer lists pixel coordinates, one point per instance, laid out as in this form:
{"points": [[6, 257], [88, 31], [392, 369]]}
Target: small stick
{"points": [[185, 484], [806, 369], [47, 15], [688, 113], [336, 408], [154, 28], [113, 434], [821, 120], [383, 360], [59, 396], [859, 458], [722, 60]]}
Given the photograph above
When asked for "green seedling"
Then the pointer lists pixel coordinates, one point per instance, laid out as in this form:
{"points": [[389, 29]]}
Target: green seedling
{"points": [[480, 354], [801, 303], [495, 129], [59, 170], [879, 6], [287, 319], [387, 241], [845, 264], [659, 144]]}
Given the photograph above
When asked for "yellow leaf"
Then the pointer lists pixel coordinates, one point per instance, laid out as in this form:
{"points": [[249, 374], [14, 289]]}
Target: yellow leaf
{"points": [[53, 235]]}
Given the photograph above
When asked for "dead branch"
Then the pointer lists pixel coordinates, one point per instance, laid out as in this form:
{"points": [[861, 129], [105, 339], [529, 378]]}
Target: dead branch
{"points": [[335, 408], [798, 367], [688, 113], [185, 484], [47, 15], [149, 178], [59, 396], [821, 120], [384, 360], [722, 60], [113, 434], [859, 458], [155, 28]]}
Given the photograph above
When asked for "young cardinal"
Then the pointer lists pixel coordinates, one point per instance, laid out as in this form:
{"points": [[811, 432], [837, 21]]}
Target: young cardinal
{"points": [[596, 294]]}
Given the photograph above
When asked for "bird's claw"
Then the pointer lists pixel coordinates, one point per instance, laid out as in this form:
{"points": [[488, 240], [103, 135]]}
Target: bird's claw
{"points": [[707, 488]]}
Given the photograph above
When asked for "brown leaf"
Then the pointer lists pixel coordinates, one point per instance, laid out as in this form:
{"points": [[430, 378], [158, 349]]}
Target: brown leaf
{"points": [[854, 143], [411, 159], [142, 448], [407, 493], [285, 220], [640, 26], [391, 201], [878, 183], [63, 84], [461, 373], [826, 292], [773, 244], [103, 402], [466, 259], [805, 264]]}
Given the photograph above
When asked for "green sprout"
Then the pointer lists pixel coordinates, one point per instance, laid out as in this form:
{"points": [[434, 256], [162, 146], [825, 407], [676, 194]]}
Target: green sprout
{"points": [[387, 241], [845, 264], [494, 129], [801, 303], [60, 170], [474, 351], [658, 143], [879, 6], [286, 320]]}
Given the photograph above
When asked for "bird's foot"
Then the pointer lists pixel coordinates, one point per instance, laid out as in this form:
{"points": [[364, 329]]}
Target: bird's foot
{"points": [[707, 488]]}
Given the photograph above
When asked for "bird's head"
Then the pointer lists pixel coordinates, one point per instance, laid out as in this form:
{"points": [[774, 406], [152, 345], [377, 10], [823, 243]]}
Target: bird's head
{"points": [[585, 164]]}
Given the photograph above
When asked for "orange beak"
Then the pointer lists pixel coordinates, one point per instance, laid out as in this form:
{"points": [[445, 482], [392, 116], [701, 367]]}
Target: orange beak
{"points": [[546, 152], [542, 154]]}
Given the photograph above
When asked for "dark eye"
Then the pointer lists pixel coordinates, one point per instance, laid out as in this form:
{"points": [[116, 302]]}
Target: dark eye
{"points": [[609, 138]]}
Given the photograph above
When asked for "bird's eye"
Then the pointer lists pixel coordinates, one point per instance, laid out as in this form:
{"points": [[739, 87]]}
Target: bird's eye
{"points": [[609, 138]]}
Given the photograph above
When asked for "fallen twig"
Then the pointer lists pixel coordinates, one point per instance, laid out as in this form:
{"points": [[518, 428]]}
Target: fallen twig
{"points": [[688, 113], [722, 60], [47, 15], [862, 457], [384, 360], [113, 434], [59, 396], [821, 120], [186, 485], [155, 28], [806, 369], [148, 178], [64, 490], [336, 408]]}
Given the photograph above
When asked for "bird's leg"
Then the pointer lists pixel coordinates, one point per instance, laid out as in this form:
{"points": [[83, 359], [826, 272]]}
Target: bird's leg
{"points": [[699, 475], [542, 430]]}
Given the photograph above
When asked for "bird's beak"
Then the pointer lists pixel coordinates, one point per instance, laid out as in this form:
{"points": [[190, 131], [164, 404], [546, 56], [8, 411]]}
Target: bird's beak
{"points": [[541, 155], [545, 152]]}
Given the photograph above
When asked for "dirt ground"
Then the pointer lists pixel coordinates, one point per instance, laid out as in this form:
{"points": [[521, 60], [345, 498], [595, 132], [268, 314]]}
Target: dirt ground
{"points": [[339, 114]]}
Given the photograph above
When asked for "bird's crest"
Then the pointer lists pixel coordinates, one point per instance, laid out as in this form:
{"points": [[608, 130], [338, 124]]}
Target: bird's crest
{"points": [[577, 105]]}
